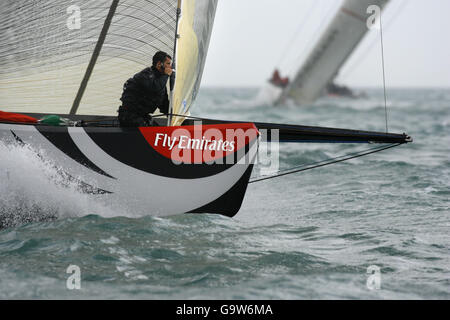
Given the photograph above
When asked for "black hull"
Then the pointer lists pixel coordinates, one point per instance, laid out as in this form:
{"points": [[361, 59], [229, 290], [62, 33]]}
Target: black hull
{"points": [[120, 165]]}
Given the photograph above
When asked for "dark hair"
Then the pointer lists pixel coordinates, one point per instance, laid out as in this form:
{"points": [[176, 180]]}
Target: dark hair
{"points": [[160, 56]]}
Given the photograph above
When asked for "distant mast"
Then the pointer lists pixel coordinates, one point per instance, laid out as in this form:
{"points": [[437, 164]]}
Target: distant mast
{"points": [[337, 43]]}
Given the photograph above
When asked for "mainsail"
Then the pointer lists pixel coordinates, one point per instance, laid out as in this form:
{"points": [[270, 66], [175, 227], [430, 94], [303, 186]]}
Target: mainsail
{"points": [[46, 47], [337, 43]]}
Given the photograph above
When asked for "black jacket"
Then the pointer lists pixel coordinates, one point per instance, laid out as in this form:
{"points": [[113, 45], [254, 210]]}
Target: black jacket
{"points": [[145, 92]]}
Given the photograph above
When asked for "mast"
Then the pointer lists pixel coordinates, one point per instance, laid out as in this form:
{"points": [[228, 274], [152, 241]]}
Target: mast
{"points": [[95, 54], [169, 116], [194, 32], [337, 43]]}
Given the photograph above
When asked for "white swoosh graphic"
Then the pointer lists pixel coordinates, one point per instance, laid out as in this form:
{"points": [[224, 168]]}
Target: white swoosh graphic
{"points": [[30, 135], [155, 193]]}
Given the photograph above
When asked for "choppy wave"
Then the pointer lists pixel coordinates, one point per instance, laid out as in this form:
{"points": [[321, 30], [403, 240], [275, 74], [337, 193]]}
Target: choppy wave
{"points": [[305, 236], [33, 189]]}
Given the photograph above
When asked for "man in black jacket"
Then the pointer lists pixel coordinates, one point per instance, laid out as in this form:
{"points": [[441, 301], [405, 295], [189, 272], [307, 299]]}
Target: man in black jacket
{"points": [[145, 92]]}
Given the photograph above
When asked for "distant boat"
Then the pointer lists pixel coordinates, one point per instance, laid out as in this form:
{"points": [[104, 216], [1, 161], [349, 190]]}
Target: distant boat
{"points": [[51, 65], [317, 74]]}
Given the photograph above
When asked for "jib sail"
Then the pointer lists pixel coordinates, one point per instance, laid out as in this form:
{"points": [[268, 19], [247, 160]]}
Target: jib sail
{"points": [[195, 26]]}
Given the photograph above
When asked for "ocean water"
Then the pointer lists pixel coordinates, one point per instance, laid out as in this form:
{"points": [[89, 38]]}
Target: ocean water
{"points": [[376, 227]]}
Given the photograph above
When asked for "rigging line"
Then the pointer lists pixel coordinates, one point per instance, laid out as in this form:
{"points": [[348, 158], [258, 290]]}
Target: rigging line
{"points": [[384, 74], [321, 164], [289, 45], [326, 160], [303, 56], [174, 57], [95, 54], [182, 115], [362, 56]]}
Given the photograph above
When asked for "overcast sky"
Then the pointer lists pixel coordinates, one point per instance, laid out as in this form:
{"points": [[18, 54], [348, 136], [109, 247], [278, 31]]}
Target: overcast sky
{"points": [[251, 37]]}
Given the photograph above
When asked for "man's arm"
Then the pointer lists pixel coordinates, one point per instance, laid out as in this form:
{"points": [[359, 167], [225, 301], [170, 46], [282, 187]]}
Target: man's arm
{"points": [[164, 108], [152, 84]]}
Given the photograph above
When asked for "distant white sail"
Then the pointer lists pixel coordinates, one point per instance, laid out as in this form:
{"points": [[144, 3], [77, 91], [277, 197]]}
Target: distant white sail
{"points": [[46, 47], [337, 43]]}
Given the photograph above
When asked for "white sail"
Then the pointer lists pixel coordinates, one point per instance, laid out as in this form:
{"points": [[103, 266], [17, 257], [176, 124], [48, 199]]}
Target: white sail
{"points": [[339, 40], [46, 47], [195, 26]]}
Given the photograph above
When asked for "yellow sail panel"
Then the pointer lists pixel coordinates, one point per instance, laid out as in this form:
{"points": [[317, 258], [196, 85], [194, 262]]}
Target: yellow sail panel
{"points": [[186, 62], [194, 29]]}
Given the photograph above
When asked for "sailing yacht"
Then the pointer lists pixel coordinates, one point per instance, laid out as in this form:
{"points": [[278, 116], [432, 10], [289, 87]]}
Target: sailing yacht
{"points": [[339, 40], [67, 63]]}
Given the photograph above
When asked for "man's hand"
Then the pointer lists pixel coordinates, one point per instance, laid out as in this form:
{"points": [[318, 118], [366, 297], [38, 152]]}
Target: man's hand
{"points": [[168, 71]]}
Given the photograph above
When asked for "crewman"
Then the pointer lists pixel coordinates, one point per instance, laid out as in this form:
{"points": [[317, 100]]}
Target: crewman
{"points": [[146, 92], [278, 81]]}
